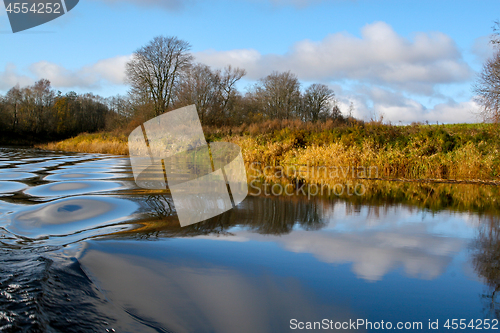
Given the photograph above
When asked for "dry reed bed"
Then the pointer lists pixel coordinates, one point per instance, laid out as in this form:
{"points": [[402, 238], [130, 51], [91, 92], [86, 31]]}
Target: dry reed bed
{"points": [[337, 160], [102, 143], [456, 152]]}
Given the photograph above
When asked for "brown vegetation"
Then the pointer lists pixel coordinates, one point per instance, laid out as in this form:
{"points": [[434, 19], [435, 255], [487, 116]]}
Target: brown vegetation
{"points": [[457, 152]]}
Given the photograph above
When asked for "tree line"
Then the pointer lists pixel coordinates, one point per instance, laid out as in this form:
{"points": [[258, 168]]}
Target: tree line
{"points": [[39, 112], [163, 76]]}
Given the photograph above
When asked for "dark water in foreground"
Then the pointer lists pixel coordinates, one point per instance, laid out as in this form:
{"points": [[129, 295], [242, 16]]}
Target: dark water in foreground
{"points": [[82, 249]]}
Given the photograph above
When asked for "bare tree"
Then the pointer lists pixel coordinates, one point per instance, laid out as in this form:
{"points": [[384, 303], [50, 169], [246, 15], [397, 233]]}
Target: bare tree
{"points": [[495, 38], [226, 80], [198, 87], [14, 99], [43, 97], [213, 92], [487, 89], [487, 86], [279, 94], [121, 105], [155, 70], [317, 102]]}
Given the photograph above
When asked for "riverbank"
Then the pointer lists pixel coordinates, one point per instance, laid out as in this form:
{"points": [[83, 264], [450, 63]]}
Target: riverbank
{"points": [[357, 150], [102, 143]]}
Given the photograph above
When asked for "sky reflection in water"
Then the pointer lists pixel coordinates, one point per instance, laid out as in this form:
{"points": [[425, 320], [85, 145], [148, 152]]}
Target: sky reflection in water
{"points": [[251, 269]]}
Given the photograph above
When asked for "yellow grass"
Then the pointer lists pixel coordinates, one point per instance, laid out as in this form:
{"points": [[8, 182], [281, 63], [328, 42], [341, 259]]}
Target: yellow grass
{"points": [[103, 143], [469, 161]]}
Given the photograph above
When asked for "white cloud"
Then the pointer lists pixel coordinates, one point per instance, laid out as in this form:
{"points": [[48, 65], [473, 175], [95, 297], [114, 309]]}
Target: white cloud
{"points": [[106, 71], [380, 56], [374, 254], [111, 70], [463, 112], [180, 4], [9, 78], [57, 75], [411, 111], [482, 49], [167, 4], [374, 102], [249, 59]]}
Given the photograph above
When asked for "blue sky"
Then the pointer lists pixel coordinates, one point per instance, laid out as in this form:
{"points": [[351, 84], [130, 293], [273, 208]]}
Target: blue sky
{"points": [[403, 60]]}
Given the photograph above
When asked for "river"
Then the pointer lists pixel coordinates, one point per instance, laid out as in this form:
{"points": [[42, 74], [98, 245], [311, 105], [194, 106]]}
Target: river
{"points": [[83, 249]]}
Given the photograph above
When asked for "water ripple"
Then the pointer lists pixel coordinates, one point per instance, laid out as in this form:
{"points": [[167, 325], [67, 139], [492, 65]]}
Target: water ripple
{"points": [[7, 174], [72, 188], [71, 215], [11, 187]]}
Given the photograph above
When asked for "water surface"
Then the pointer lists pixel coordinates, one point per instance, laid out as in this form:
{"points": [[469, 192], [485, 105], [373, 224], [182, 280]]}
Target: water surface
{"points": [[82, 249]]}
